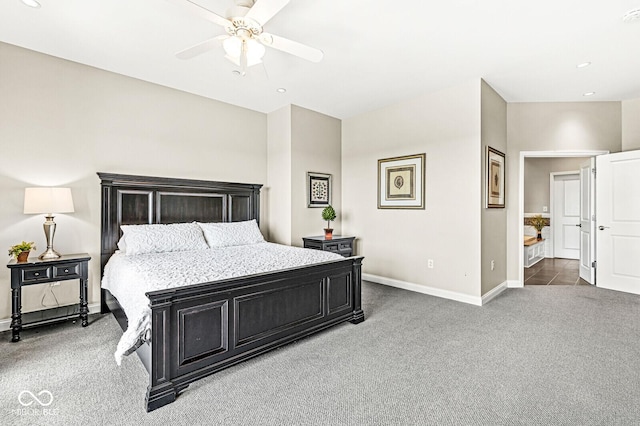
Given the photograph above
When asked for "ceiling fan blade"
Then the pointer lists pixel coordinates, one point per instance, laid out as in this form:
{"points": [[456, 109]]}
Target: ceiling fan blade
{"points": [[263, 10], [203, 12], [292, 47], [202, 47]]}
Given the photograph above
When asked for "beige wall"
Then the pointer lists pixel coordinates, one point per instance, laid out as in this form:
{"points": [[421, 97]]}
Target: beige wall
{"points": [[61, 122], [279, 175], [316, 141], [494, 221], [397, 243], [568, 126], [536, 179], [630, 124], [301, 141]]}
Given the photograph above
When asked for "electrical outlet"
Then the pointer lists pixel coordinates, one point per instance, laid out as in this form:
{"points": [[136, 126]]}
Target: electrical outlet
{"points": [[493, 265], [430, 263], [545, 209]]}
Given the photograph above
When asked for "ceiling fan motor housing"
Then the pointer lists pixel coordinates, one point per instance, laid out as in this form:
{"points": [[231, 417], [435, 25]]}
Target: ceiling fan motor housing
{"points": [[240, 10], [244, 28]]}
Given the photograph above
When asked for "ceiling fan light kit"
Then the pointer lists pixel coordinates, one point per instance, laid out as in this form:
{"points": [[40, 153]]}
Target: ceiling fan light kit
{"points": [[236, 48], [245, 39]]}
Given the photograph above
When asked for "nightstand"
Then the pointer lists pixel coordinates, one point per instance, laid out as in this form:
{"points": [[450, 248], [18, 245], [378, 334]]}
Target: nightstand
{"points": [[338, 244], [36, 271]]}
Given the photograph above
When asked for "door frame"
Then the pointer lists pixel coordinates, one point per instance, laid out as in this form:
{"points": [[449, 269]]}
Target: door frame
{"points": [[552, 229], [538, 154]]}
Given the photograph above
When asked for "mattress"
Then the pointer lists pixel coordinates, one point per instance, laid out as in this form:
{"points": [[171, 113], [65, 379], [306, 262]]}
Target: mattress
{"points": [[129, 277]]}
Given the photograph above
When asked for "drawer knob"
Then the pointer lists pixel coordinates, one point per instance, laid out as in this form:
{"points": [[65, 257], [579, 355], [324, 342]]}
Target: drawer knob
{"points": [[66, 270], [37, 274]]}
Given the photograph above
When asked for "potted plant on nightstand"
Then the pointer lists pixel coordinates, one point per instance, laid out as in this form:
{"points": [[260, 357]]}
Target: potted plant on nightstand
{"points": [[21, 251], [328, 214], [538, 222]]}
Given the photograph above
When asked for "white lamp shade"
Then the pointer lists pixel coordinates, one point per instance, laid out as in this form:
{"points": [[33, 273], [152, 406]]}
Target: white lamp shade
{"points": [[48, 200]]}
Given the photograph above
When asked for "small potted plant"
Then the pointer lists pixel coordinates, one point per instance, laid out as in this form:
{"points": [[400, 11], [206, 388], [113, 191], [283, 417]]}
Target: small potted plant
{"points": [[328, 214], [21, 251], [538, 222]]}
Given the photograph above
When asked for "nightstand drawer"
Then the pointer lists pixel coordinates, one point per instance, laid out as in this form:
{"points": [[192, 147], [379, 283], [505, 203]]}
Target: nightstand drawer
{"points": [[33, 275], [331, 247], [344, 246], [67, 270]]}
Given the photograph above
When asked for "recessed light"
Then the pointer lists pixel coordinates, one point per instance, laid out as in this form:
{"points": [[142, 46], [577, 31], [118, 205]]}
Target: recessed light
{"points": [[281, 90], [583, 65], [631, 15], [31, 3], [589, 94]]}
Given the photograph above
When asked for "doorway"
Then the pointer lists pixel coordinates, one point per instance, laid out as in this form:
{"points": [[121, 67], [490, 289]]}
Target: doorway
{"points": [[565, 214], [521, 202]]}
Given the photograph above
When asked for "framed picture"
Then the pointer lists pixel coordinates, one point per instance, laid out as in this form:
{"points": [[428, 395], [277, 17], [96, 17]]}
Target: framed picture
{"points": [[401, 182], [495, 178], [318, 189]]}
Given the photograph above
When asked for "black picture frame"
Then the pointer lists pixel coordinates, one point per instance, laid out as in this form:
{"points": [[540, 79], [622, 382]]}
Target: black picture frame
{"points": [[318, 189], [495, 191]]}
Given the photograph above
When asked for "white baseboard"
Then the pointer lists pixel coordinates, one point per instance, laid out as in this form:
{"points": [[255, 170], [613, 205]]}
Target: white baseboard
{"points": [[5, 324], [432, 291], [494, 292], [514, 284]]}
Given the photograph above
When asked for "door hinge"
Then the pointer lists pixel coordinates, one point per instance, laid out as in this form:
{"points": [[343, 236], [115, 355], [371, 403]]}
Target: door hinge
{"points": [[593, 171], [594, 263]]}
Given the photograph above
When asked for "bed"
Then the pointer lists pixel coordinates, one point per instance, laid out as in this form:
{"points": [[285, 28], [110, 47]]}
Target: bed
{"points": [[199, 329]]}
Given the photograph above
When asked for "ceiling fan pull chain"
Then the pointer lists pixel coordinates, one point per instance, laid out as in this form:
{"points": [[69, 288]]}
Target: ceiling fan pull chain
{"points": [[243, 58]]}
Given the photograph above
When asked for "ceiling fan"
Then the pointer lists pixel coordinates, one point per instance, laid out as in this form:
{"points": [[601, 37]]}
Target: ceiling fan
{"points": [[245, 39]]}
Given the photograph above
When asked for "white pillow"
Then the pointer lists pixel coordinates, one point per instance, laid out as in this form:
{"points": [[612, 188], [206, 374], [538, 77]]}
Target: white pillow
{"points": [[226, 234], [140, 239]]}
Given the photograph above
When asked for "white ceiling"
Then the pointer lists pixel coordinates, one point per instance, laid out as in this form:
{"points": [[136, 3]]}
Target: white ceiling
{"points": [[376, 52]]}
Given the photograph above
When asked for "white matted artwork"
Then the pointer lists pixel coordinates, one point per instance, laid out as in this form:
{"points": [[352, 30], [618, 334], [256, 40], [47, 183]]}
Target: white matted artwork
{"points": [[401, 182], [318, 189]]}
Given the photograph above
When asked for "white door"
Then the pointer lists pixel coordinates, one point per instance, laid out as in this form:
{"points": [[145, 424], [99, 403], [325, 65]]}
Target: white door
{"points": [[587, 222], [566, 216], [618, 221]]}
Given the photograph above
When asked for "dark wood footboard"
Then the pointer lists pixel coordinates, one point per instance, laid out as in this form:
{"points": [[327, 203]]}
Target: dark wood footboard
{"points": [[200, 329]]}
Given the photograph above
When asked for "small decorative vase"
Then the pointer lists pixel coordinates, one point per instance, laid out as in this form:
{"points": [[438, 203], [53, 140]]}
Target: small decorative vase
{"points": [[22, 257], [539, 235], [328, 233]]}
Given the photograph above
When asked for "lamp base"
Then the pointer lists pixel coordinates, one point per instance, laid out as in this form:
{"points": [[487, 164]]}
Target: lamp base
{"points": [[49, 231], [50, 253]]}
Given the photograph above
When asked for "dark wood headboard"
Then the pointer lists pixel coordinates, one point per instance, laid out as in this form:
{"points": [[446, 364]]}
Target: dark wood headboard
{"points": [[136, 200]]}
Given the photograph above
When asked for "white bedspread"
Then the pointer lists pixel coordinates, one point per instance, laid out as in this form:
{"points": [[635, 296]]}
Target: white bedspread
{"points": [[128, 278]]}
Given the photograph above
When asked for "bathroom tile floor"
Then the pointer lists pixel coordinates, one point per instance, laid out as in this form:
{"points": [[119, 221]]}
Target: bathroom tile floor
{"points": [[554, 272]]}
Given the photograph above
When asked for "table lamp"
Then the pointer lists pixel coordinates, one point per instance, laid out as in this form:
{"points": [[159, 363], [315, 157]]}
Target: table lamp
{"points": [[48, 201]]}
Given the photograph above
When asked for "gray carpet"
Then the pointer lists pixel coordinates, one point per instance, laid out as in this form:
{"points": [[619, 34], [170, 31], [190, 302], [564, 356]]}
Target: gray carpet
{"points": [[538, 355]]}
